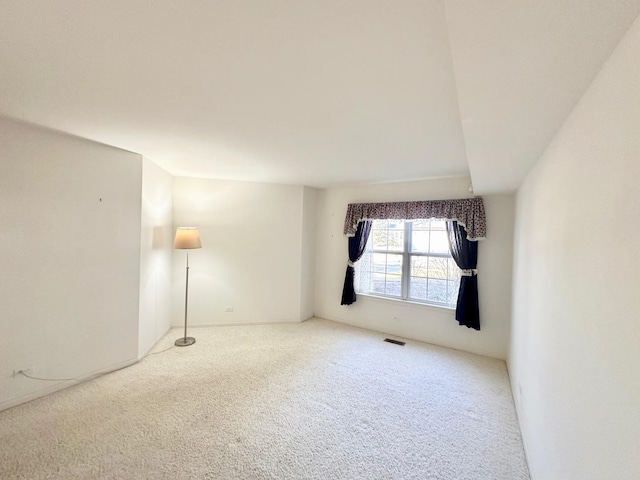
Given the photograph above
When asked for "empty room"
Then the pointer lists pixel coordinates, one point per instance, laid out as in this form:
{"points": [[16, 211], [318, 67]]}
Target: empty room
{"points": [[356, 239]]}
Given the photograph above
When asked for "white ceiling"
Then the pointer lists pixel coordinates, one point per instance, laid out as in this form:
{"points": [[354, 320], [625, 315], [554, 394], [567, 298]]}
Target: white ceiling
{"points": [[521, 67], [310, 92]]}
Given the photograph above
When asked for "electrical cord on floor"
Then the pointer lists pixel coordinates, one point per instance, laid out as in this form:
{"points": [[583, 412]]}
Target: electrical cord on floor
{"points": [[22, 372], [161, 351], [25, 374]]}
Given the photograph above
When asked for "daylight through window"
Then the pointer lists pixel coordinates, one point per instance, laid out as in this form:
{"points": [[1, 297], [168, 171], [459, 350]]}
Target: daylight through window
{"points": [[409, 260]]}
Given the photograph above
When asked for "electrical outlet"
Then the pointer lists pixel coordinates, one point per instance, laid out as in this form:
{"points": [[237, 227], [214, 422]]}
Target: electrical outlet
{"points": [[18, 371], [228, 309]]}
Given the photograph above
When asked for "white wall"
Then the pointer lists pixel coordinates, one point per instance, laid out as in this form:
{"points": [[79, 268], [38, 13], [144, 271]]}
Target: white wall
{"points": [[251, 258], [69, 249], [575, 349], [420, 322], [156, 239], [308, 262]]}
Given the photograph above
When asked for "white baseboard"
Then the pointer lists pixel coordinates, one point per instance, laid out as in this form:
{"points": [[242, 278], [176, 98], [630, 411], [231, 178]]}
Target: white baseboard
{"points": [[517, 401], [417, 338], [237, 324]]}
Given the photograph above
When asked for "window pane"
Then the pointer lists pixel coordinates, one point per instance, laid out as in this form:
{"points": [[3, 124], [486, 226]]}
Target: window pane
{"points": [[394, 275], [379, 238], [442, 283], [419, 240], [377, 283], [437, 290], [420, 224], [438, 267], [386, 276], [379, 261], [394, 264], [418, 288], [388, 235], [454, 271], [439, 242], [393, 285], [438, 224], [419, 266], [396, 224], [396, 240]]}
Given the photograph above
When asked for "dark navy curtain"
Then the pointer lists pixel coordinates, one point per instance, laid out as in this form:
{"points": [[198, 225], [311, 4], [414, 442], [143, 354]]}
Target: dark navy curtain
{"points": [[465, 254], [357, 245]]}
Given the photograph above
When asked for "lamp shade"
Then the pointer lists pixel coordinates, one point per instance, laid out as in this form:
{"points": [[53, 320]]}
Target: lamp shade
{"points": [[187, 238]]}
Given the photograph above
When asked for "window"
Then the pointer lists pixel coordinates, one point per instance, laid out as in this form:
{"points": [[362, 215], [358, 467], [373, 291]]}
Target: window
{"points": [[409, 260]]}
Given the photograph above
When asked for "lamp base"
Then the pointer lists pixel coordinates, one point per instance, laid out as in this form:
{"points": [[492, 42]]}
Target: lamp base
{"points": [[185, 341]]}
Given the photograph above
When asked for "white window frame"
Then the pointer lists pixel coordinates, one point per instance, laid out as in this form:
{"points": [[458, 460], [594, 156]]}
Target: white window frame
{"points": [[407, 254]]}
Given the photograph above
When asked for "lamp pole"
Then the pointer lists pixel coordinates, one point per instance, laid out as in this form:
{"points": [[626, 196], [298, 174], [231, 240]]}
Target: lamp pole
{"points": [[186, 300], [186, 238]]}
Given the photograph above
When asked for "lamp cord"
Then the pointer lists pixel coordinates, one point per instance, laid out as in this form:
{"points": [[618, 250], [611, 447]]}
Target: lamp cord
{"points": [[25, 374], [45, 379], [161, 351]]}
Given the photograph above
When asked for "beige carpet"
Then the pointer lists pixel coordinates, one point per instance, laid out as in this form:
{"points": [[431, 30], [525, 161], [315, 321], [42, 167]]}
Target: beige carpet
{"points": [[316, 400]]}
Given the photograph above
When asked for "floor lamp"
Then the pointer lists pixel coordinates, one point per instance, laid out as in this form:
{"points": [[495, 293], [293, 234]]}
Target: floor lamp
{"points": [[187, 238]]}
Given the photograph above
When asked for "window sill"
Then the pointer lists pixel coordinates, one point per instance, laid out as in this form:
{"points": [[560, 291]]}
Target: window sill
{"points": [[405, 302]]}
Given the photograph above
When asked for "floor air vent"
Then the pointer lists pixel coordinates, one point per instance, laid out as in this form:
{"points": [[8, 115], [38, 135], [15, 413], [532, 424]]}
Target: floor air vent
{"points": [[395, 342]]}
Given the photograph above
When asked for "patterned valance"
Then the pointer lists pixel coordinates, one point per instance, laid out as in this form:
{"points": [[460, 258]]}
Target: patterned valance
{"points": [[469, 212]]}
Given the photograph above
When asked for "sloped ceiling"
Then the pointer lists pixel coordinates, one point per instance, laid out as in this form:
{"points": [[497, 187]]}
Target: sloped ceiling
{"points": [[520, 69], [314, 93]]}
